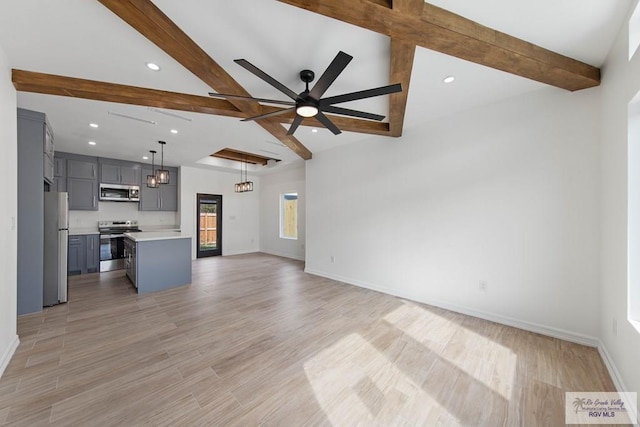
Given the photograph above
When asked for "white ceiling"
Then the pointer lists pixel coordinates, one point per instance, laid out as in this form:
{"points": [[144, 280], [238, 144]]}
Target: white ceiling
{"points": [[81, 38]]}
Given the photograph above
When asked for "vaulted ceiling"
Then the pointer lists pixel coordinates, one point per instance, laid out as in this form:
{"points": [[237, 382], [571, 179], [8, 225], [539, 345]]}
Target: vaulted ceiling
{"points": [[83, 62]]}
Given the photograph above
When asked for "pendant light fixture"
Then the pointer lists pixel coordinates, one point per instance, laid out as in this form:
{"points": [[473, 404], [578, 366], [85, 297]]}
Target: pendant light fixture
{"points": [[246, 185], [162, 174], [152, 180]]}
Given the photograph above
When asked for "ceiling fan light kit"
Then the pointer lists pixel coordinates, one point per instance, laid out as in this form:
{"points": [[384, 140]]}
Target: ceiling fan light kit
{"points": [[309, 103], [306, 110]]}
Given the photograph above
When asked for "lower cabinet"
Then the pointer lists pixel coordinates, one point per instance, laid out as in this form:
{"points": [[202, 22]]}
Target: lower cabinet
{"points": [[93, 253], [76, 255], [84, 254]]}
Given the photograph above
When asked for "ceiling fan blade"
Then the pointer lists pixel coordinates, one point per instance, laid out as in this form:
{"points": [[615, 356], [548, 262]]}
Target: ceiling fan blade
{"points": [[352, 113], [327, 123], [354, 96], [250, 98], [334, 69], [271, 114], [295, 124], [266, 77]]}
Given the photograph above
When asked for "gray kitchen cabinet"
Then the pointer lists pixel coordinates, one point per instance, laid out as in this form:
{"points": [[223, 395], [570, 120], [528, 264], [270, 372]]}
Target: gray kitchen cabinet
{"points": [[59, 184], [163, 198], [76, 255], [48, 166], [119, 172], [82, 168], [83, 194], [59, 174], [82, 182], [30, 228], [155, 264], [59, 167], [92, 254], [83, 254], [168, 197]]}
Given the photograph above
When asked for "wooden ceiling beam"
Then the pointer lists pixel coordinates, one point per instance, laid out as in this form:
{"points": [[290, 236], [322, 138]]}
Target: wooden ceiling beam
{"points": [[29, 81], [152, 23], [443, 31], [401, 66], [242, 156]]}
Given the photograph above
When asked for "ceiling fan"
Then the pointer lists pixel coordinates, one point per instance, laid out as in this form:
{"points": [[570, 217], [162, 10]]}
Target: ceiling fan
{"points": [[309, 103]]}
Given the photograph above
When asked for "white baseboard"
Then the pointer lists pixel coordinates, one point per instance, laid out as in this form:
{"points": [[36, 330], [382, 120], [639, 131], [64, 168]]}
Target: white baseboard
{"points": [[493, 317], [613, 372], [8, 354], [284, 255]]}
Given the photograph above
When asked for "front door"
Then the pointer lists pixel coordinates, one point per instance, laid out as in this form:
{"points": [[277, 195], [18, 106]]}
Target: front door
{"points": [[209, 224]]}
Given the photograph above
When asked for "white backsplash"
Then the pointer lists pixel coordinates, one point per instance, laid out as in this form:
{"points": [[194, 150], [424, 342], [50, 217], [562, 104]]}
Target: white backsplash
{"points": [[121, 210]]}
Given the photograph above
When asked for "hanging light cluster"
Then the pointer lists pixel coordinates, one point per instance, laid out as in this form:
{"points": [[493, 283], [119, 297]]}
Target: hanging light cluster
{"points": [[246, 185], [152, 180], [160, 176]]}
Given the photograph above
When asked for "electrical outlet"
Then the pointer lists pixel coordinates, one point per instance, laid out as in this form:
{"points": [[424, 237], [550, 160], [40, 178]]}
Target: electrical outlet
{"points": [[614, 327], [482, 286]]}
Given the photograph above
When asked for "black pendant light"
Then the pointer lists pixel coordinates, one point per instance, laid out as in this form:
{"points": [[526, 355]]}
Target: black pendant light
{"points": [[152, 180], [162, 174], [246, 185]]}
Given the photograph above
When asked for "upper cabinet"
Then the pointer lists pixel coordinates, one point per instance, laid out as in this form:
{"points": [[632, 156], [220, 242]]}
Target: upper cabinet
{"points": [[81, 176], [119, 172], [163, 198], [78, 175], [85, 168], [48, 167]]}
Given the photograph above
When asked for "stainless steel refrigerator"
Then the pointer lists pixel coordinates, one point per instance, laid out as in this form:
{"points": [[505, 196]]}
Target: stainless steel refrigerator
{"points": [[56, 237]]}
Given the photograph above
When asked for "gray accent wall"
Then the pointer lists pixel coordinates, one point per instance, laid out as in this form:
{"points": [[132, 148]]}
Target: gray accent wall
{"points": [[30, 210]]}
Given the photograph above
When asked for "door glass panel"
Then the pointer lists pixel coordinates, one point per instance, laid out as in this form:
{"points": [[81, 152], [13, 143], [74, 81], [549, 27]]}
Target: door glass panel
{"points": [[209, 223]]}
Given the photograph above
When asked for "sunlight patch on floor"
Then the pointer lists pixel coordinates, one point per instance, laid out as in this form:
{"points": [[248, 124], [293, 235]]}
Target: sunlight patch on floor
{"points": [[487, 361], [356, 384]]}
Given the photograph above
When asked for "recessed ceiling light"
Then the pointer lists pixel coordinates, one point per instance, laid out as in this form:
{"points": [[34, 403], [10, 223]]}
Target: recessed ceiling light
{"points": [[152, 66], [448, 79], [93, 125], [145, 157], [174, 131], [92, 143], [314, 130]]}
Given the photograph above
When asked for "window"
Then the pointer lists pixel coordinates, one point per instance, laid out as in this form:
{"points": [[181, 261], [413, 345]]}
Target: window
{"points": [[633, 214], [634, 32], [289, 216]]}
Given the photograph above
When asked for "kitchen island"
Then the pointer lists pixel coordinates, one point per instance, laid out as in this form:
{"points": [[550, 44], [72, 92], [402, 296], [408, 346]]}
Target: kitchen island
{"points": [[157, 260]]}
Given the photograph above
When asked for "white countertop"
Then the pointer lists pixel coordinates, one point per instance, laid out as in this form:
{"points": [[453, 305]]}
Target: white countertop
{"points": [[145, 236], [82, 231]]}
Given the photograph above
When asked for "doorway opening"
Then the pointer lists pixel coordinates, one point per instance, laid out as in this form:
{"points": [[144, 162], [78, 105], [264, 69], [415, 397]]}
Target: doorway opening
{"points": [[209, 225]]}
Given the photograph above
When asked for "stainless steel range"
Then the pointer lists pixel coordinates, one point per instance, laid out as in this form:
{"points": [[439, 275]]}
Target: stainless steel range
{"points": [[112, 242]]}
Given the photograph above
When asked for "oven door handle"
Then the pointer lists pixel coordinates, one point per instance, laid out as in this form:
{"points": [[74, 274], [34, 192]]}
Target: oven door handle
{"points": [[111, 236]]}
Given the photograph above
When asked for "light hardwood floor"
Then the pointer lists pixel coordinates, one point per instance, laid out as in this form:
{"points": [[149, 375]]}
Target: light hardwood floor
{"points": [[256, 341]]}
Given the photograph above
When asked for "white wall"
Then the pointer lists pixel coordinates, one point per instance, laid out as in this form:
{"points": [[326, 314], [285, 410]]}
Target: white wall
{"points": [[620, 83], [287, 180], [240, 211], [507, 194], [8, 214]]}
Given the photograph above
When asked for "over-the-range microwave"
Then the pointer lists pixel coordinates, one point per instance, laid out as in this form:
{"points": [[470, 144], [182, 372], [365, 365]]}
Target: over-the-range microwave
{"points": [[119, 193]]}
